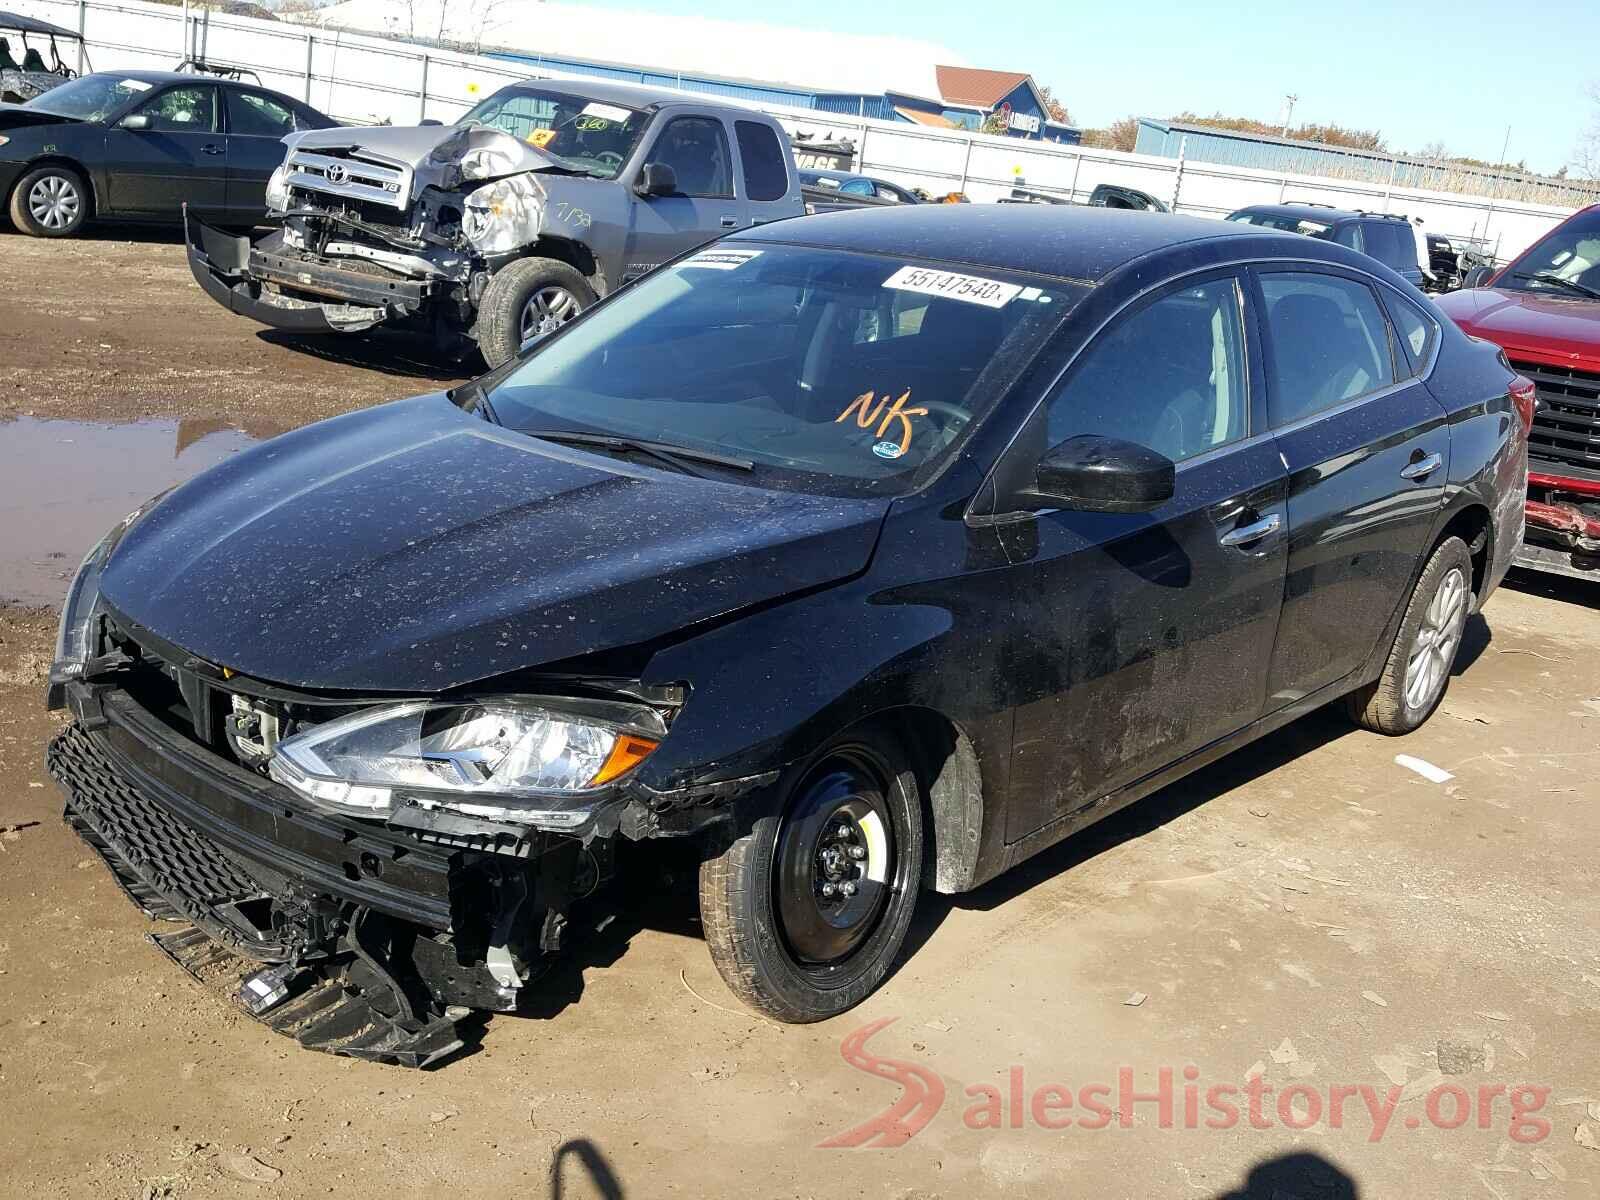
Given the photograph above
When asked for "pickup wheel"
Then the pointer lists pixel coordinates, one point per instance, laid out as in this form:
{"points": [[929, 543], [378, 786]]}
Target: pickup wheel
{"points": [[50, 201], [806, 914], [1418, 667], [528, 297]]}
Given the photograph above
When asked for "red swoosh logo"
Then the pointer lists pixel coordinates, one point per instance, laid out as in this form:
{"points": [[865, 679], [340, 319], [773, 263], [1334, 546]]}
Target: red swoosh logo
{"points": [[921, 1096]]}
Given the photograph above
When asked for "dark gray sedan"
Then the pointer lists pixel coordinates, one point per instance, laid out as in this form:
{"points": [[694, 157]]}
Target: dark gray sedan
{"points": [[138, 145]]}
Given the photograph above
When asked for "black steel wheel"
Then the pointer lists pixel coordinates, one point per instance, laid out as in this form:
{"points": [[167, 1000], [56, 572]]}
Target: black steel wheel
{"points": [[807, 913]]}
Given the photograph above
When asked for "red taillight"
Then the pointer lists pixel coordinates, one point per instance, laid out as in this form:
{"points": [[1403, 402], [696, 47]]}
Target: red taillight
{"points": [[1525, 398]]}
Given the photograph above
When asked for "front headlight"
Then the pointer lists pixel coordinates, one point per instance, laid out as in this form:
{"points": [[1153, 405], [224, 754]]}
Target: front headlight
{"points": [[75, 636], [505, 758], [278, 189]]}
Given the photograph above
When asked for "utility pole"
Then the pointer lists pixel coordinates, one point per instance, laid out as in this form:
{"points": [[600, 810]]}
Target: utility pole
{"points": [[1288, 112]]}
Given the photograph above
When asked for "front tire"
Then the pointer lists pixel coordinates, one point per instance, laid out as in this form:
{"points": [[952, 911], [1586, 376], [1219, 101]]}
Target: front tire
{"points": [[1417, 671], [50, 201], [807, 913], [528, 297]]}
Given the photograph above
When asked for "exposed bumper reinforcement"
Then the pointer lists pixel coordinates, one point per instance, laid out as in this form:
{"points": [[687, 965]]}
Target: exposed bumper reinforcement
{"points": [[233, 271]]}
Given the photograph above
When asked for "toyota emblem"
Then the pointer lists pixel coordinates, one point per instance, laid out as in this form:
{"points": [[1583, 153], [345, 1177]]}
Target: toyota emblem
{"points": [[337, 173]]}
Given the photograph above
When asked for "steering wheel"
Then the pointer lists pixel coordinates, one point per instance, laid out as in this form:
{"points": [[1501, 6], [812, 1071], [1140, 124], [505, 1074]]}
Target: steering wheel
{"points": [[955, 417], [609, 158]]}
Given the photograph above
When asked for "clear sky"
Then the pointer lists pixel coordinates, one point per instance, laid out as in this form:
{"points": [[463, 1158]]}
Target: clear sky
{"points": [[1456, 72]]}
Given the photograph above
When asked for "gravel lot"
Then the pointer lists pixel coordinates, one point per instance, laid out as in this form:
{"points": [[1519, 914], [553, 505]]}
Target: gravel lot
{"points": [[1307, 912]]}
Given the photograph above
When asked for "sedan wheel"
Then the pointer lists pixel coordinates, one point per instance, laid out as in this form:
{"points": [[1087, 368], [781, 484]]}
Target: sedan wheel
{"points": [[55, 203], [1434, 648], [50, 201]]}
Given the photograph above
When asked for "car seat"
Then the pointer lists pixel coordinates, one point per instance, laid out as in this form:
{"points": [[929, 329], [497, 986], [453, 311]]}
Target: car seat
{"points": [[32, 62], [7, 63], [1321, 359]]}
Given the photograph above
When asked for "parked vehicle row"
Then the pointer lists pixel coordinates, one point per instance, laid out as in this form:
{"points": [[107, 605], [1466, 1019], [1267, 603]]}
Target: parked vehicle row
{"points": [[873, 552]]}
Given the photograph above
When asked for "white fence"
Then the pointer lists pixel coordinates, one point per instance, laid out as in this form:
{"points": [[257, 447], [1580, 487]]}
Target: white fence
{"points": [[367, 78]]}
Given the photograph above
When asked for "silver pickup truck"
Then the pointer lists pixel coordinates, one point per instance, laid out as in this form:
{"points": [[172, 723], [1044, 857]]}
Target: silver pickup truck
{"points": [[541, 199]]}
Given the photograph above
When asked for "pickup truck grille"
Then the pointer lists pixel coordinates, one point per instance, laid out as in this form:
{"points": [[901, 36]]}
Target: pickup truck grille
{"points": [[351, 178], [1566, 429]]}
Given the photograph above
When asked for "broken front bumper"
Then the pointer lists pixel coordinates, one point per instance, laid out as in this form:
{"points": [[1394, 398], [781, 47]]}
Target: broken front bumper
{"points": [[379, 938], [1560, 538], [260, 280]]}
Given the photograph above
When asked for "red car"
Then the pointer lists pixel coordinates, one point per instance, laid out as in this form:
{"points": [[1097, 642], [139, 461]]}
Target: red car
{"points": [[1544, 311]]}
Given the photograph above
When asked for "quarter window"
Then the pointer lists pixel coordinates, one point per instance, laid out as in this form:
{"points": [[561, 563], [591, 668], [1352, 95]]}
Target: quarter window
{"points": [[1170, 377], [766, 177], [1330, 343], [697, 151], [1416, 332]]}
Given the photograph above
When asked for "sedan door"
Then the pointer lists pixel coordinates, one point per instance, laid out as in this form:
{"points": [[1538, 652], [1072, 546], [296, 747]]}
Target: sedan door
{"points": [[704, 207], [177, 156], [1368, 454], [257, 125], [1141, 639]]}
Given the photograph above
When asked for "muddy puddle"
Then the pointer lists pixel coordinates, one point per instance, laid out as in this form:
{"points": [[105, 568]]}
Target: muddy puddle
{"points": [[64, 483]]}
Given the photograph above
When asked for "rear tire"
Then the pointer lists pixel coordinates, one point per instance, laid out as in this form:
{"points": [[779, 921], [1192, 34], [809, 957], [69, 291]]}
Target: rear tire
{"points": [[531, 295], [1417, 671], [50, 201], [783, 945]]}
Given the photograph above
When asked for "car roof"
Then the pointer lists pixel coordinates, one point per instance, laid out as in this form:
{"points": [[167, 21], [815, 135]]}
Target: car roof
{"points": [[1316, 212], [179, 77], [1076, 242]]}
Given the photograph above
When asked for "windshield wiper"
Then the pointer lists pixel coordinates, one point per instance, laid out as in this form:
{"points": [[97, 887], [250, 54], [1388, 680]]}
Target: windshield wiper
{"points": [[476, 401], [1552, 277], [666, 452]]}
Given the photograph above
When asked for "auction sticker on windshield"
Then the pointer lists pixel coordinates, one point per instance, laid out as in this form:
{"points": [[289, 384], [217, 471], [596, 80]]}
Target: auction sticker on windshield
{"points": [[606, 112], [721, 260], [973, 289]]}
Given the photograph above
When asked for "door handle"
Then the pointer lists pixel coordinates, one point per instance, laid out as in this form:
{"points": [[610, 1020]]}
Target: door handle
{"points": [[212, 149], [1254, 532], [729, 222], [1421, 468]]}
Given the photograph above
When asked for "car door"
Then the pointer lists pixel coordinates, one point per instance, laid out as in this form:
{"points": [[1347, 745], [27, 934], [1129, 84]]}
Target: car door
{"points": [[1367, 451], [179, 156], [1141, 638], [705, 205], [256, 127]]}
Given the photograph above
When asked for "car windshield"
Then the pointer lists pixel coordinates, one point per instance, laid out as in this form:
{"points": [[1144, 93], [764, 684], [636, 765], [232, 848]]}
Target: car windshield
{"points": [[586, 135], [827, 371], [91, 98], [1566, 262]]}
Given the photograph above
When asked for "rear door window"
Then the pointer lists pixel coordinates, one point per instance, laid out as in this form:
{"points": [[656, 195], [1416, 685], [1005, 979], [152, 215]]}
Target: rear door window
{"points": [[1329, 343], [766, 174], [255, 115]]}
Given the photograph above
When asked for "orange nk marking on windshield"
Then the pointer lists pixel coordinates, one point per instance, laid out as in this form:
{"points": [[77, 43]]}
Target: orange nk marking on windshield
{"points": [[866, 413]]}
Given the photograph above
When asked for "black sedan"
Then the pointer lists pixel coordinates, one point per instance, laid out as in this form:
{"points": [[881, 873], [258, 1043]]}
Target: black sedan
{"points": [[876, 551], [137, 145]]}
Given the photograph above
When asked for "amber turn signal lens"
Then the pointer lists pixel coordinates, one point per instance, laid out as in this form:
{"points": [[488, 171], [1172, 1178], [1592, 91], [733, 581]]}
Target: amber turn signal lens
{"points": [[627, 754]]}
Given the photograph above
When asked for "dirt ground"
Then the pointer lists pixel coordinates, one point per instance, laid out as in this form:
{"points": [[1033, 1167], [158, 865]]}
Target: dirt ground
{"points": [[1307, 913]]}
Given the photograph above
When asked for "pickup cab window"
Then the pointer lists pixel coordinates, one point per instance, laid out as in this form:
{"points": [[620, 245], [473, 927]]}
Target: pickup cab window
{"points": [[766, 175], [696, 149]]}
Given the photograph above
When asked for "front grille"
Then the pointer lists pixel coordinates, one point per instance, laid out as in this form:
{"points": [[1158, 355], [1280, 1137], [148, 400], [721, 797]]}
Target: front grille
{"points": [[351, 178], [1566, 429], [190, 871]]}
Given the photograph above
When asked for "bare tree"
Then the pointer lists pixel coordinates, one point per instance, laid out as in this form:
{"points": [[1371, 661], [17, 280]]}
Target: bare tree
{"points": [[1586, 155]]}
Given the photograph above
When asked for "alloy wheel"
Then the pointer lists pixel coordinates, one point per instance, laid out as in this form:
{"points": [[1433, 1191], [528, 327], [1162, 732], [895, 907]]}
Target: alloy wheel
{"points": [[547, 309], [1434, 649], [55, 202]]}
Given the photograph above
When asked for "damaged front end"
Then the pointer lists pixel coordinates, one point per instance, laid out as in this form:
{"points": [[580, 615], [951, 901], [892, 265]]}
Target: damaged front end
{"points": [[1563, 528], [360, 873], [378, 227]]}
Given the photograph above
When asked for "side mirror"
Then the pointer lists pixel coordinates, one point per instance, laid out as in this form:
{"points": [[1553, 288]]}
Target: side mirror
{"points": [[430, 121], [1101, 474], [656, 179], [1478, 276], [138, 122]]}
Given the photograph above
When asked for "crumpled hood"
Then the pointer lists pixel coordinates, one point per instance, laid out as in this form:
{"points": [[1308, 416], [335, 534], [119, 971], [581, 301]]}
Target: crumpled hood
{"points": [[1553, 327], [15, 116], [435, 153], [413, 548]]}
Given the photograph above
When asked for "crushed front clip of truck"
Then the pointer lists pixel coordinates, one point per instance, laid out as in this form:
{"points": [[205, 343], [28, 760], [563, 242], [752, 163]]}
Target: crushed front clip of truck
{"points": [[498, 228]]}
